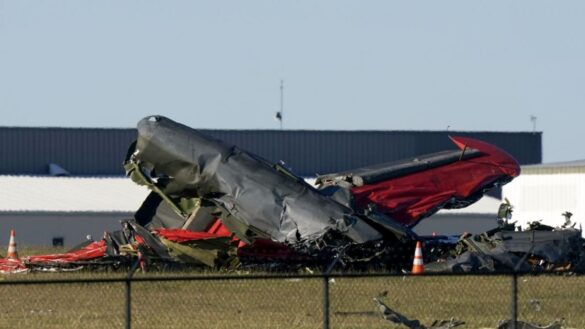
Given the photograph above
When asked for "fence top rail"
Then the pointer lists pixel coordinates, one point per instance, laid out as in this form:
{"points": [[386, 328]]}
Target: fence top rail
{"points": [[235, 277]]}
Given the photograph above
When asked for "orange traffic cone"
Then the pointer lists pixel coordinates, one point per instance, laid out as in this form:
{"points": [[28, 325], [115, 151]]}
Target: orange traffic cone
{"points": [[418, 266], [12, 254]]}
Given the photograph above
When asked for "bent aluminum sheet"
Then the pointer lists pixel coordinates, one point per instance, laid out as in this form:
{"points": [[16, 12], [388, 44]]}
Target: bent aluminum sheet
{"points": [[557, 246]]}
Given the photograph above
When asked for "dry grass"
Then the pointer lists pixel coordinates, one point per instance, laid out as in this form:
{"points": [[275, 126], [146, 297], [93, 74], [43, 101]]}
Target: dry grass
{"points": [[286, 303]]}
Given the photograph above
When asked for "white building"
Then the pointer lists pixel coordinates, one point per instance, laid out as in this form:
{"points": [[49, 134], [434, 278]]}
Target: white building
{"points": [[544, 192], [476, 218], [46, 211]]}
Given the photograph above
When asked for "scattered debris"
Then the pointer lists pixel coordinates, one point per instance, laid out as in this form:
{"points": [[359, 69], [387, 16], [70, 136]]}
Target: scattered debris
{"points": [[540, 248], [535, 304], [356, 313], [504, 215], [213, 205], [397, 318], [508, 324], [10, 266], [446, 324], [568, 223]]}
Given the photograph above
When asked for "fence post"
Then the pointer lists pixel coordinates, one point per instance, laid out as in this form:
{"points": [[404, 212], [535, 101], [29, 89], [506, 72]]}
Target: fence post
{"points": [[325, 301], [514, 300], [128, 293], [128, 304]]}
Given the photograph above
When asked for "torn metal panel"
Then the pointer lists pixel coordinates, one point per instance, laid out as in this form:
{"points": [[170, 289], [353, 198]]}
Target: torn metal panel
{"points": [[91, 251], [256, 199], [201, 217], [154, 212], [522, 251], [559, 246], [111, 248], [464, 263], [399, 319], [376, 219], [150, 241], [118, 238], [181, 235], [441, 181], [12, 266], [206, 252]]}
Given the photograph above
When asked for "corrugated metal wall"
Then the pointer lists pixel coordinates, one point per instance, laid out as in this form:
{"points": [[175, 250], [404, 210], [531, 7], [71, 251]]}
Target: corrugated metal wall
{"points": [[101, 151], [80, 151]]}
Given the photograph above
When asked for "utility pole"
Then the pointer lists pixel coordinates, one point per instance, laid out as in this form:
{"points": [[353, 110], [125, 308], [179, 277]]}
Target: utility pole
{"points": [[281, 103], [280, 114], [533, 119]]}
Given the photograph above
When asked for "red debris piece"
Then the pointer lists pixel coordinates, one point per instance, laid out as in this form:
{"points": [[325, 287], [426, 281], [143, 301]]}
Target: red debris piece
{"points": [[93, 250], [412, 197]]}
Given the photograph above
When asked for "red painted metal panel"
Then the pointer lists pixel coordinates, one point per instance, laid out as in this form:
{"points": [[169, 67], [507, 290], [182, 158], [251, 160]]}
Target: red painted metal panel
{"points": [[412, 197]]}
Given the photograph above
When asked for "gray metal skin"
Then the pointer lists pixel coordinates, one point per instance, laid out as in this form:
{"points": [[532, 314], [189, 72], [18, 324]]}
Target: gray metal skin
{"points": [[265, 201], [508, 250]]}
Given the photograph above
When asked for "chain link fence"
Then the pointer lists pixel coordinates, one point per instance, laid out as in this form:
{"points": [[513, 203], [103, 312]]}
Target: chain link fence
{"points": [[276, 301]]}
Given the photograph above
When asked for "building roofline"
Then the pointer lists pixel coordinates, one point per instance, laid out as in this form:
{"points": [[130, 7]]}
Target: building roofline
{"points": [[564, 167], [452, 132]]}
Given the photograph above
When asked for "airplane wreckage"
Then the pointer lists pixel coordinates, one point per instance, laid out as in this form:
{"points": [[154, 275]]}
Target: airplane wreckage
{"points": [[217, 206]]}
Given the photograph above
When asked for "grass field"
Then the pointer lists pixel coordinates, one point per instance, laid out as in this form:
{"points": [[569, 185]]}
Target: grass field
{"points": [[480, 301]]}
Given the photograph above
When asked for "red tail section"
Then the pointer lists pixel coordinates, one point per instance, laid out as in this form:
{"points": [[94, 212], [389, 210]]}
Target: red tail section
{"points": [[412, 197]]}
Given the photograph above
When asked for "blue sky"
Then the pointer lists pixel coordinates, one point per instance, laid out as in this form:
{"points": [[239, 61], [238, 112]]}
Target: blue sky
{"points": [[384, 65]]}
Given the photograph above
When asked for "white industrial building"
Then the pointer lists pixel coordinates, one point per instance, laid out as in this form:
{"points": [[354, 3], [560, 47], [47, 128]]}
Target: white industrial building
{"points": [[544, 192], [47, 211], [476, 218]]}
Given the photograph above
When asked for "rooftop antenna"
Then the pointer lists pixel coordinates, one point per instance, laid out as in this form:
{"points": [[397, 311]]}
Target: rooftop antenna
{"points": [[279, 116], [533, 118]]}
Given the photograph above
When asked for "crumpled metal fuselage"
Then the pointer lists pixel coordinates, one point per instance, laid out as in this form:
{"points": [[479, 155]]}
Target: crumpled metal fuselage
{"points": [[361, 213], [255, 199]]}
